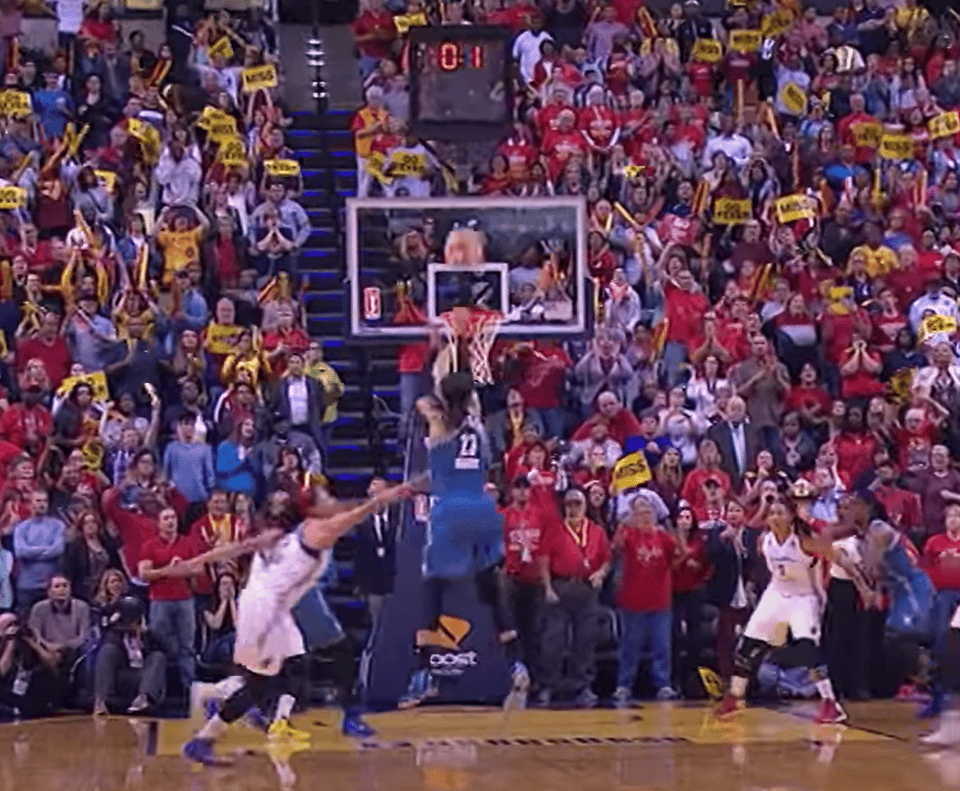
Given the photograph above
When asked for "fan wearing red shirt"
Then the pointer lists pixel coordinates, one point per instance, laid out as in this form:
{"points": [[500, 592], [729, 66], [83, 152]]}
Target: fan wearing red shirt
{"points": [[574, 561], [27, 424], [643, 600], [561, 144], [519, 152], [598, 123], [859, 370], [545, 119], [218, 526], [808, 397], [48, 346], [854, 445], [902, 506], [172, 610], [685, 310], [621, 422], [702, 76], [707, 469], [374, 31], [941, 561], [524, 527], [851, 130], [541, 375]]}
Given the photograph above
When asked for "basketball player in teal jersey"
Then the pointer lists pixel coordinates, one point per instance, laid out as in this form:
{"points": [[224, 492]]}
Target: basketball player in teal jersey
{"points": [[465, 532]]}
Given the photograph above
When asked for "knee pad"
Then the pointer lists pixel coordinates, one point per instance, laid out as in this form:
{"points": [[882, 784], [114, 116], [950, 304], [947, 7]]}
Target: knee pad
{"points": [[747, 657]]}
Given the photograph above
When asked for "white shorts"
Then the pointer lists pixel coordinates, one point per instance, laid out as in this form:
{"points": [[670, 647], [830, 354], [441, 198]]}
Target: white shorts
{"points": [[776, 613], [265, 638], [955, 621]]}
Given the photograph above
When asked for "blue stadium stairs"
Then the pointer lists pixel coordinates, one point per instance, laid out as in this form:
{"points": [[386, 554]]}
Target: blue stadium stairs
{"points": [[324, 147], [365, 436]]}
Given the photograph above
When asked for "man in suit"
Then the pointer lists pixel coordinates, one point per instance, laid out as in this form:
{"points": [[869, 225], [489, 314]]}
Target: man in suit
{"points": [[296, 400], [374, 564], [737, 441]]}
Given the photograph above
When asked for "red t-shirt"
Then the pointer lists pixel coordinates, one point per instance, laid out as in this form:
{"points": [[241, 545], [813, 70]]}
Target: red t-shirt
{"points": [[701, 76], [693, 493], [576, 554], [647, 580], [541, 382], [684, 312], [801, 397], [941, 560], [380, 22], [160, 553], [854, 453], [55, 357], [903, 507], [694, 569], [523, 531]]}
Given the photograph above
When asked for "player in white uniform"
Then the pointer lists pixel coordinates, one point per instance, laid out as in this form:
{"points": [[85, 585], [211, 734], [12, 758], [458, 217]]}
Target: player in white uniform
{"points": [[793, 600], [284, 568]]}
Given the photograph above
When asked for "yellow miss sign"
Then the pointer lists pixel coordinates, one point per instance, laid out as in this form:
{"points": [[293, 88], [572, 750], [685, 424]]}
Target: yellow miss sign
{"points": [[15, 103], [944, 125], [258, 78], [222, 129], [896, 147], [282, 167], [745, 40], [630, 472], [707, 50], [406, 21], [232, 152], [407, 164], [776, 23], [12, 197], [108, 177], [793, 208], [933, 325], [221, 47], [793, 98], [96, 381], [731, 211], [867, 135]]}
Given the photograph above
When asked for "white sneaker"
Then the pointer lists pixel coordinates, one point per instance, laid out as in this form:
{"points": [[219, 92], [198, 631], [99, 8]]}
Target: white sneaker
{"points": [[621, 697], [948, 733], [667, 693], [520, 680]]}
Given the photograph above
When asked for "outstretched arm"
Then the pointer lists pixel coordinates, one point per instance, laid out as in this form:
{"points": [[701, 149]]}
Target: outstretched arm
{"points": [[323, 533], [235, 549]]}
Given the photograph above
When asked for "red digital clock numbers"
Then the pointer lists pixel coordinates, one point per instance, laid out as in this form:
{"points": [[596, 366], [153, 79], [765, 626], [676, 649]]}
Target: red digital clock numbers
{"points": [[451, 56]]}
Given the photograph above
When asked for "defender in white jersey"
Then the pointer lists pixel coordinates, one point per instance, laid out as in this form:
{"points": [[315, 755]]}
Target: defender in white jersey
{"points": [[286, 566], [792, 602]]}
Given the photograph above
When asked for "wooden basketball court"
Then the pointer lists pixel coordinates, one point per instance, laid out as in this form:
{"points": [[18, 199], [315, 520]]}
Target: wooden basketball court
{"points": [[656, 747]]}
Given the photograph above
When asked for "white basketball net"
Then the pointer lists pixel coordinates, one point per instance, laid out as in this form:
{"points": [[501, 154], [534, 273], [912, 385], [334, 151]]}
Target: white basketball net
{"points": [[485, 329]]}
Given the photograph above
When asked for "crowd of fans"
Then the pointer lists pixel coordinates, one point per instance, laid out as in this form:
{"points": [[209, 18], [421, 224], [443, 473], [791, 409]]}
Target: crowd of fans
{"points": [[159, 392], [773, 236]]}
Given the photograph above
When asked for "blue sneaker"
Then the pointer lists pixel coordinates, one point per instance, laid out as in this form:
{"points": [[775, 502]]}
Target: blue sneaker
{"points": [[255, 719], [422, 686], [201, 751], [520, 687], [355, 726], [934, 707], [211, 707]]}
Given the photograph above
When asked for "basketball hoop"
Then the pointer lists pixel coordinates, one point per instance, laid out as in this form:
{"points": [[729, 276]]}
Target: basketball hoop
{"points": [[478, 328]]}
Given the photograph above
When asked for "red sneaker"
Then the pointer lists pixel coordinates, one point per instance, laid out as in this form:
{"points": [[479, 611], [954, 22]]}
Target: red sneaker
{"points": [[831, 713], [728, 707], [907, 692]]}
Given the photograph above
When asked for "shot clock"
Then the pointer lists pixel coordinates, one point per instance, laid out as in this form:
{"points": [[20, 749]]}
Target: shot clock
{"points": [[460, 82]]}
